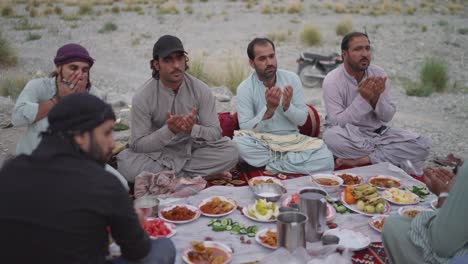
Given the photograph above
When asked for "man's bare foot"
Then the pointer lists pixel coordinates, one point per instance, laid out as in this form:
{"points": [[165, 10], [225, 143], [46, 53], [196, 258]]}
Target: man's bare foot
{"points": [[352, 162], [227, 176]]}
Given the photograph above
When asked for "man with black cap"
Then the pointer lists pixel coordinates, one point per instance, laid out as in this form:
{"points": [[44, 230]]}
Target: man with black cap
{"points": [[57, 203], [73, 64], [174, 124]]}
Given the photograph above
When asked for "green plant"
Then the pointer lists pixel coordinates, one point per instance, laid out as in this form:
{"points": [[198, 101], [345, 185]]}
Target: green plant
{"points": [[311, 35], [33, 12], [108, 27], [443, 23], [236, 73], [11, 85], [25, 25], [188, 9], [135, 41], [417, 89], [8, 55], [197, 69], [7, 11], [266, 8], [115, 9], [423, 28], [33, 36], [71, 17], [85, 9], [58, 10], [463, 31], [411, 10], [434, 74], [277, 37], [340, 8], [169, 7], [344, 26]]}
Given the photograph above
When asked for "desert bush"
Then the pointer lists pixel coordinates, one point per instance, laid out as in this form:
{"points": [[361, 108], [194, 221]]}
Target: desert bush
{"points": [[277, 37], [266, 8], [33, 36], [85, 9], [311, 35], [58, 10], [340, 8], [25, 25], [417, 89], [11, 85], [294, 7], [7, 11], [33, 12], [344, 26], [169, 7], [197, 69], [236, 73], [188, 9], [423, 28], [463, 31], [108, 27], [442, 23], [73, 17], [434, 74], [135, 41], [115, 9], [411, 10], [48, 11], [8, 55]]}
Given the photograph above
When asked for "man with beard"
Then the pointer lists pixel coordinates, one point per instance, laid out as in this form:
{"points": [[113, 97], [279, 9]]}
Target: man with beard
{"points": [[270, 108], [57, 204], [71, 76], [174, 124], [358, 108]]}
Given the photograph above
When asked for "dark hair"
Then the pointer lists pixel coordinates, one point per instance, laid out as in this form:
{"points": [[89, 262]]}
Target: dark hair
{"points": [[155, 72], [257, 41], [349, 37]]}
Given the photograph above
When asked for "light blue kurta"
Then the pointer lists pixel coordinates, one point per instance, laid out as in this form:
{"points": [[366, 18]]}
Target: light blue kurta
{"points": [[25, 111], [251, 106]]}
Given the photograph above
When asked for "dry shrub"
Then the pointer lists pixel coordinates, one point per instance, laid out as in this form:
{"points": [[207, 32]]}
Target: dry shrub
{"points": [[311, 35], [294, 7], [344, 26], [340, 8]]}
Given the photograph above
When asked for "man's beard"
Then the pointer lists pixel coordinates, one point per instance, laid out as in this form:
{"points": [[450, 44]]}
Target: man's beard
{"points": [[267, 76], [357, 66], [96, 153]]}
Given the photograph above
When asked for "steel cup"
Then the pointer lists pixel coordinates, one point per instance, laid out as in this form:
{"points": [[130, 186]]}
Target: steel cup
{"points": [[291, 230]]}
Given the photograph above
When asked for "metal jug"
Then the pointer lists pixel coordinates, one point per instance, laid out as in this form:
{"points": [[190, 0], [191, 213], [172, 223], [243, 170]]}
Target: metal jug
{"points": [[291, 230], [313, 204]]}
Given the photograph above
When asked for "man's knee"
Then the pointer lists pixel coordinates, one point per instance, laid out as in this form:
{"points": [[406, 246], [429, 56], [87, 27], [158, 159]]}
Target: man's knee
{"points": [[162, 251], [231, 148], [332, 139]]}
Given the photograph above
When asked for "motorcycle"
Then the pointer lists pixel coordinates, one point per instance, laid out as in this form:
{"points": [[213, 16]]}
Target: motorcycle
{"points": [[312, 68]]}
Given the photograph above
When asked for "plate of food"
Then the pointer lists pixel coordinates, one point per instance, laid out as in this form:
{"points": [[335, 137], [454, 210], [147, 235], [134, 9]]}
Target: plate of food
{"points": [[268, 238], [350, 239], [294, 199], [366, 200], [349, 178], [261, 211], [265, 179], [377, 222], [400, 197], [207, 252], [420, 191], [217, 206], [179, 214], [156, 228], [411, 211], [383, 182]]}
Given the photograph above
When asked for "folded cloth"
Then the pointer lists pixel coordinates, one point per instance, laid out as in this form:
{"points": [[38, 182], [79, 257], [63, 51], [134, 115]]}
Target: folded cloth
{"points": [[165, 185]]}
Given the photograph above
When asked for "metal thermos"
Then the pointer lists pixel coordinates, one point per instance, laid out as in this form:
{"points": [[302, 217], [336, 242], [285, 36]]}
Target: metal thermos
{"points": [[313, 204], [291, 230]]}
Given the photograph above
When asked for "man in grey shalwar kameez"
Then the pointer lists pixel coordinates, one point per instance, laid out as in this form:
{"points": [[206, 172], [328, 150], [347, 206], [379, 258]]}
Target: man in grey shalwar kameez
{"points": [[174, 124], [358, 107]]}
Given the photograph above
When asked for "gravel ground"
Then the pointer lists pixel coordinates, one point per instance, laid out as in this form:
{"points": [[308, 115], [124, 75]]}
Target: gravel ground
{"points": [[219, 31]]}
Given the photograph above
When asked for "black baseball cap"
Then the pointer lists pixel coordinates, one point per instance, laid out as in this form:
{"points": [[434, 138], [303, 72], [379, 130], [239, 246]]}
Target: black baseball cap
{"points": [[166, 45]]}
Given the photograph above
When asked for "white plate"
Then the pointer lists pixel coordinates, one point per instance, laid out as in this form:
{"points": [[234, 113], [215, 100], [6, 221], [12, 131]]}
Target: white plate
{"points": [[261, 233], [245, 213], [404, 209], [214, 244], [384, 177], [361, 180], [191, 207], [350, 239], [375, 219], [264, 178], [331, 212], [229, 200], [170, 226], [434, 204], [353, 207], [388, 196]]}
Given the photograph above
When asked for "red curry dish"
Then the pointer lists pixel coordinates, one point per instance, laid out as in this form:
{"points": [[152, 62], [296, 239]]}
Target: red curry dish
{"points": [[179, 213], [384, 182], [326, 181]]}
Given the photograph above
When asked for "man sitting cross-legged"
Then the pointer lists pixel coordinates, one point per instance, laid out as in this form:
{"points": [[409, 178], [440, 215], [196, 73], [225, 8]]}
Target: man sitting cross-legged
{"points": [[174, 124], [270, 108], [358, 107]]}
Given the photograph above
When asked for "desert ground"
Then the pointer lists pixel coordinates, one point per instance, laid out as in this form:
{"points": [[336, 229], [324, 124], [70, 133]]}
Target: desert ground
{"points": [[216, 33]]}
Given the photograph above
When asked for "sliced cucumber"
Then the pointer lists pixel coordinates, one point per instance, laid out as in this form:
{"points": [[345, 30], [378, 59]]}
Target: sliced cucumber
{"points": [[242, 231], [224, 222], [228, 227], [250, 234]]}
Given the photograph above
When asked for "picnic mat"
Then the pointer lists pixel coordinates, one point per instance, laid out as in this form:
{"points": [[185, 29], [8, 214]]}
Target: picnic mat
{"points": [[374, 254]]}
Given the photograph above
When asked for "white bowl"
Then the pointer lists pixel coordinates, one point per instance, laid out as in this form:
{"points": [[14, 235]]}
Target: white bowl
{"points": [[328, 188]]}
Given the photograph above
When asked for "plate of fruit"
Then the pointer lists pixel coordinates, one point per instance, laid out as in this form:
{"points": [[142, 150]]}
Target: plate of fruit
{"points": [[261, 211], [364, 199]]}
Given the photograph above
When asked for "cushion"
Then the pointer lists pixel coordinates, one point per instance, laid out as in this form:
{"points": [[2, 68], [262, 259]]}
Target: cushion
{"points": [[311, 127]]}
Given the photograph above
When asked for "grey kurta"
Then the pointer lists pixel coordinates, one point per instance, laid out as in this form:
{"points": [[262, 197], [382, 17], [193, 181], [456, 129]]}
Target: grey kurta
{"points": [[351, 121], [431, 237], [154, 148]]}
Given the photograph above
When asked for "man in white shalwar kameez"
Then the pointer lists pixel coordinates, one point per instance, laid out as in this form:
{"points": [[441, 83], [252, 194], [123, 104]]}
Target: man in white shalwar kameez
{"points": [[358, 108], [270, 108]]}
